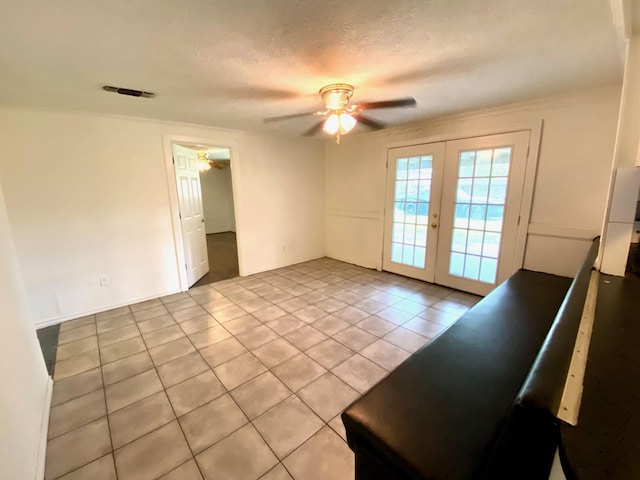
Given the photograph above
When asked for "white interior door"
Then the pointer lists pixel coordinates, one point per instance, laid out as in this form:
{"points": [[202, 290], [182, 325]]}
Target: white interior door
{"points": [[481, 200], [191, 213], [414, 182]]}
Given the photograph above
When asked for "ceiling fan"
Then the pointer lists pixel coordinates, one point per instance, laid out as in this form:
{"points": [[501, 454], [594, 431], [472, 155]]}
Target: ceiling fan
{"points": [[339, 118], [205, 163]]}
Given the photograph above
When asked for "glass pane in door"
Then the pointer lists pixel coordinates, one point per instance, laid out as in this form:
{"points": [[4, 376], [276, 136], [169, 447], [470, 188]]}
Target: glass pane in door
{"points": [[479, 213], [412, 192]]}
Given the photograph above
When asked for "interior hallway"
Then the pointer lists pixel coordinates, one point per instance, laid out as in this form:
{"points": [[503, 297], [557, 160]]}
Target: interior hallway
{"points": [[222, 249]]}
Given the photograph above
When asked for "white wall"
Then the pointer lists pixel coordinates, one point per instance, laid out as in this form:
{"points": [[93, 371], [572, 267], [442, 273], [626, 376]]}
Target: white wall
{"points": [[570, 192], [217, 200], [88, 196], [618, 229], [23, 376]]}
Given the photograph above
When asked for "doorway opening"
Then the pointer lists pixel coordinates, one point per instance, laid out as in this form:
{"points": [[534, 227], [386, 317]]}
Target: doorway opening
{"points": [[206, 212]]}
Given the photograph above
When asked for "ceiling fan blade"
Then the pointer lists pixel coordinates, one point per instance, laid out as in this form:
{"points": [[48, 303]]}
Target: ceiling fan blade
{"points": [[287, 117], [252, 92], [313, 130], [369, 122], [400, 102]]}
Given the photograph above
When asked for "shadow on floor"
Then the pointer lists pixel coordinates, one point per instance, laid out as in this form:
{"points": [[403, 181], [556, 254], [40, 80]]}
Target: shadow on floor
{"points": [[48, 338], [222, 249]]}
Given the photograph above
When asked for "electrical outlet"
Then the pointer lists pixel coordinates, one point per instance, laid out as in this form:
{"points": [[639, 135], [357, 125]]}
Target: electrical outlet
{"points": [[104, 281]]}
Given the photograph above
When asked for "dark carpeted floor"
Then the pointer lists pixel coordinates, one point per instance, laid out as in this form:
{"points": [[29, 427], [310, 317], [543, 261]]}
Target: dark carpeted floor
{"points": [[223, 258]]}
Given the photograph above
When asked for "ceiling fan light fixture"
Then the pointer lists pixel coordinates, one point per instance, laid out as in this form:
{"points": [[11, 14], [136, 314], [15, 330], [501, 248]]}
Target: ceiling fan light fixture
{"points": [[203, 166], [332, 124], [336, 96], [347, 122], [339, 124], [203, 162]]}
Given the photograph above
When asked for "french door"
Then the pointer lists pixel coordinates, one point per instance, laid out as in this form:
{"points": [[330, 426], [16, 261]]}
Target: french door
{"points": [[414, 185], [453, 208]]}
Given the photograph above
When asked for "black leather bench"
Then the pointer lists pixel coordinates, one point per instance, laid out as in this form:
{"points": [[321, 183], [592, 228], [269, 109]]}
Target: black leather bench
{"points": [[531, 434], [457, 408]]}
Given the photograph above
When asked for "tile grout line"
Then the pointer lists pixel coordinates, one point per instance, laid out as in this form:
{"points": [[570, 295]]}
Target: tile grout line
{"points": [[228, 392], [295, 394], [69, 329], [279, 336], [94, 420], [106, 406], [251, 421], [164, 389], [154, 367], [107, 415], [263, 323]]}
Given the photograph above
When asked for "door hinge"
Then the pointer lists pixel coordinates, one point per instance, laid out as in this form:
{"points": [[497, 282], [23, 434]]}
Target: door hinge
{"points": [[185, 267], [180, 215], [518, 220], [528, 150]]}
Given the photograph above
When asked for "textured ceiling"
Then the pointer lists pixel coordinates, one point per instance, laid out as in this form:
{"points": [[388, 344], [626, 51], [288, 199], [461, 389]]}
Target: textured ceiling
{"points": [[230, 63]]}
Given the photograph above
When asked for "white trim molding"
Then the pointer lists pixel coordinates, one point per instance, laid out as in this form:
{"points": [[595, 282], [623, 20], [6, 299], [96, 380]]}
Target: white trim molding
{"points": [[55, 320], [168, 141], [44, 431], [573, 387], [349, 213], [559, 231]]}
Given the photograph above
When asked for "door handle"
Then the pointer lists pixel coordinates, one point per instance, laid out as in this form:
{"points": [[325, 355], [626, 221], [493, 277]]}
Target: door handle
{"points": [[434, 225], [203, 220]]}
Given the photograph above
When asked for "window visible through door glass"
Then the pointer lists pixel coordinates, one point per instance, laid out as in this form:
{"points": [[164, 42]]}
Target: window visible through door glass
{"points": [[412, 192], [479, 213]]}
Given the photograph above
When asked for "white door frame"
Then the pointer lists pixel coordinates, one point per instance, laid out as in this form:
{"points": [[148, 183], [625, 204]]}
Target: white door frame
{"points": [[462, 132], [168, 141]]}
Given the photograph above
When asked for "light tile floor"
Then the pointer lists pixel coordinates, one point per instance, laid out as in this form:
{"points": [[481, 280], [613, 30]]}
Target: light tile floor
{"points": [[242, 379]]}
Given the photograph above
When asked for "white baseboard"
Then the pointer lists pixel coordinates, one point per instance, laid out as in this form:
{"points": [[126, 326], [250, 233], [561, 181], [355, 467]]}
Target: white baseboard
{"points": [[54, 321], [355, 262], [44, 431]]}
